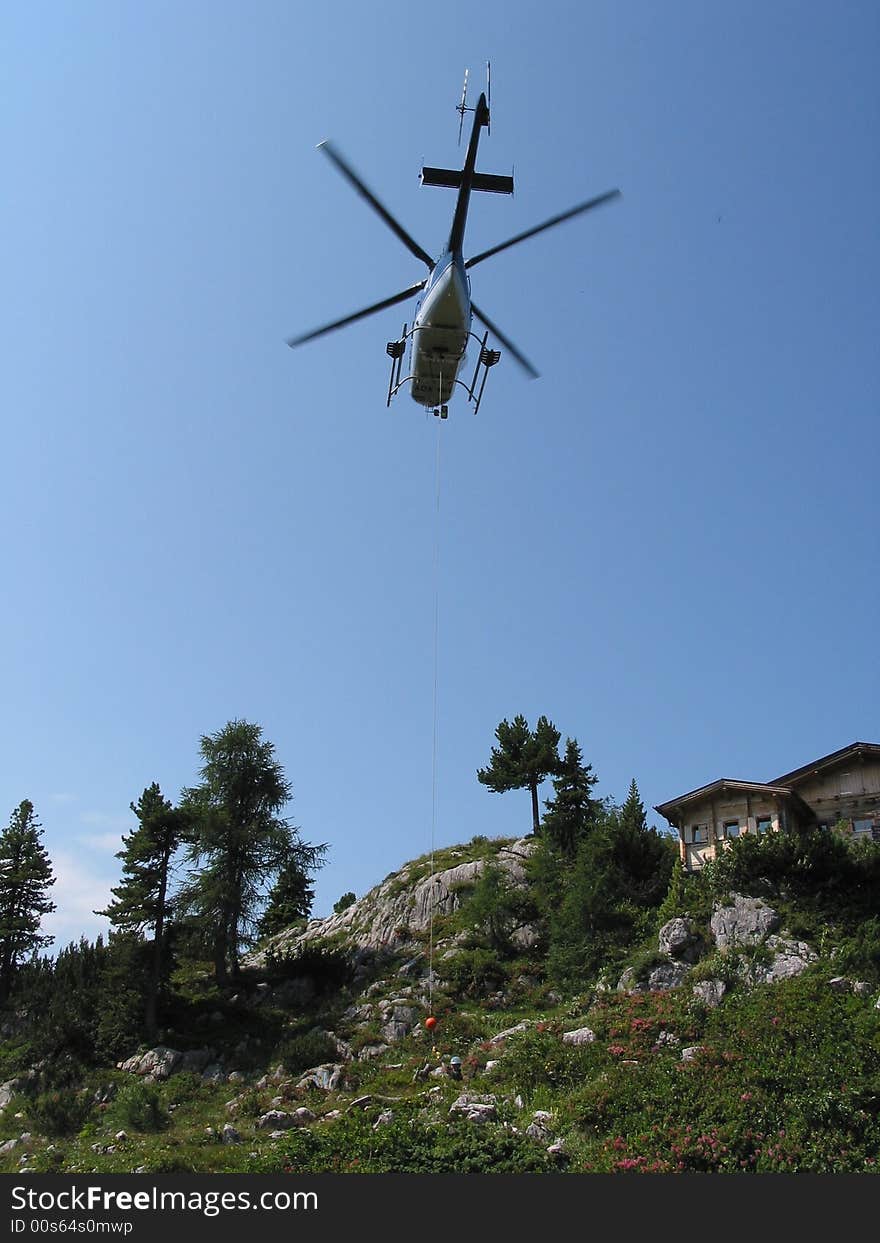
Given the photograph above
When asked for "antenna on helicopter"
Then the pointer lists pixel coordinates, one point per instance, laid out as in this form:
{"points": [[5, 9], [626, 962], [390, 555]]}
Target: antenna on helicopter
{"points": [[489, 95], [462, 107]]}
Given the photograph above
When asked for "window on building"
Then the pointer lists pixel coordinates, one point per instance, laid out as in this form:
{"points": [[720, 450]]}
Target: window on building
{"points": [[863, 826], [763, 824], [730, 828], [699, 834]]}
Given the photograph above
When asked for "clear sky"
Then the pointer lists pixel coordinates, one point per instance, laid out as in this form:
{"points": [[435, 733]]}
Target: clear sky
{"points": [[668, 543]]}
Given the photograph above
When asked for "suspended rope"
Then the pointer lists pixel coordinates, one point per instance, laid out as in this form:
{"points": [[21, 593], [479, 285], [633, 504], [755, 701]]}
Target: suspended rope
{"points": [[434, 726]]}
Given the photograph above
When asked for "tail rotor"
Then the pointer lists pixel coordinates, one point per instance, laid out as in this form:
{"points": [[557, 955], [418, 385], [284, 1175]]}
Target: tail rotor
{"points": [[462, 107]]}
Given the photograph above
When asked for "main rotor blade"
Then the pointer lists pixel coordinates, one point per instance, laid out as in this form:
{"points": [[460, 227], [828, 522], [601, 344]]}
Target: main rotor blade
{"points": [[350, 319], [506, 342], [548, 224], [365, 193]]}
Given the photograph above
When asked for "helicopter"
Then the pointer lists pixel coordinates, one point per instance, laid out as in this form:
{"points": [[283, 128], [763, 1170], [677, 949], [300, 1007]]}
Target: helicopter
{"points": [[441, 328]]}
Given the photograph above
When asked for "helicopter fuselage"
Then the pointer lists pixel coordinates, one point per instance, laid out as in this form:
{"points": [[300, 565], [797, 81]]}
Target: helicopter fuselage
{"points": [[440, 332]]}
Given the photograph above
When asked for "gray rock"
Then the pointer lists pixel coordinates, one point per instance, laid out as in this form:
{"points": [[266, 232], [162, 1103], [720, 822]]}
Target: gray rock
{"points": [[157, 1063], [688, 1054], [327, 1077], [213, 1073], [582, 1035], [8, 1146], [862, 988], [229, 1135], [677, 938], [369, 1051], [667, 975], [477, 1109], [386, 1116], [510, 1031], [710, 992], [667, 1040], [7, 1091], [790, 958], [746, 922], [276, 1120]]}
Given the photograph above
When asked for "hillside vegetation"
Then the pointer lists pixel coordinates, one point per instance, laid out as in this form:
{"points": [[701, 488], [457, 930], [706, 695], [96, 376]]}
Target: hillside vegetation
{"points": [[609, 1012]]}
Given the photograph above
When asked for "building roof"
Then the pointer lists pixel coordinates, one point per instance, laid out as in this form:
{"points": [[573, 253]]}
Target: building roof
{"points": [[781, 787], [860, 750], [725, 785]]}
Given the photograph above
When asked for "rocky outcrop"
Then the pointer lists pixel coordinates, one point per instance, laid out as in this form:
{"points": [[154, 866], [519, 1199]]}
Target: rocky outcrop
{"points": [[155, 1064], [660, 978], [388, 916], [745, 921], [678, 938]]}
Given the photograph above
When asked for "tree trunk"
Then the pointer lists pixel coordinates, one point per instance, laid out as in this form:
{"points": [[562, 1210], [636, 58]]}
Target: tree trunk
{"points": [[152, 999], [536, 819]]}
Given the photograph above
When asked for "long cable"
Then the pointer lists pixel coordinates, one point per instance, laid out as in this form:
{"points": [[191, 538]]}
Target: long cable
{"points": [[435, 715]]}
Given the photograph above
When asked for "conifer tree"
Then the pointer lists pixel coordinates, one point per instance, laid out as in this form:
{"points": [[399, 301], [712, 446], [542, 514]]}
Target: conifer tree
{"points": [[25, 879], [523, 759], [571, 813], [632, 813], [291, 897], [240, 842], [141, 900]]}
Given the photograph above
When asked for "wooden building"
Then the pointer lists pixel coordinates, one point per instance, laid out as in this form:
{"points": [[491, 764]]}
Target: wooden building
{"points": [[843, 786]]}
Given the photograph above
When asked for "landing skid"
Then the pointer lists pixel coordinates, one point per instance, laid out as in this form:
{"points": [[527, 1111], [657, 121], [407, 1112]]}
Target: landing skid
{"points": [[485, 360]]}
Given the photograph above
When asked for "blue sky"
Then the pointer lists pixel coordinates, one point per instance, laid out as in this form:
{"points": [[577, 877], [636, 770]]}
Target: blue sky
{"points": [[667, 543]]}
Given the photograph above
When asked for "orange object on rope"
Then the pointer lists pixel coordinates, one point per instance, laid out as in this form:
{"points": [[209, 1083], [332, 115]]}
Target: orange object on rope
{"points": [[430, 1022]]}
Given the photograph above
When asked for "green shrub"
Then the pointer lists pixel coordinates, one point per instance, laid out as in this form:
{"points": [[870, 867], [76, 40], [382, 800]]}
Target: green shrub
{"points": [[474, 972], [406, 1145], [139, 1106], [60, 1112], [326, 966], [301, 1052]]}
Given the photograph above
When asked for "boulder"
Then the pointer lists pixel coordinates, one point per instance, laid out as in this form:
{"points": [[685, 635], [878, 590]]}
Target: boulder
{"points": [[747, 921], [477, 1109], [276, 1120], [790, 958], [510, 1031], [667, 975], [677, 938], [229, 1135], [710, 992], [7, 1091], [581, 1035], [155, 1064], [327, 1077]]}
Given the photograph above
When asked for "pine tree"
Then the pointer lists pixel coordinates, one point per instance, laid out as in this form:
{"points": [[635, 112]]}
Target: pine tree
{"points": [[240, 842], [632, 813], [25, 879], [523, 759], [291, 897], [569, 816], [141, 899]]}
